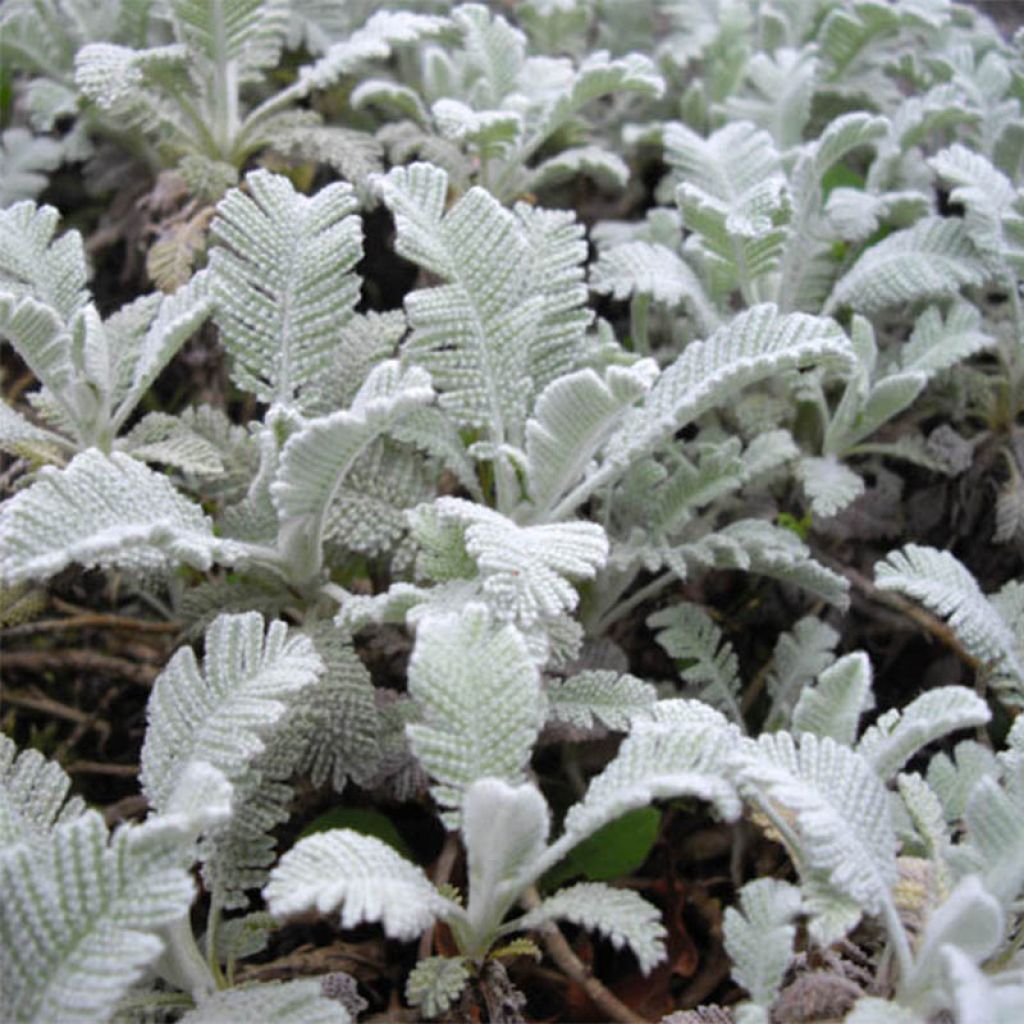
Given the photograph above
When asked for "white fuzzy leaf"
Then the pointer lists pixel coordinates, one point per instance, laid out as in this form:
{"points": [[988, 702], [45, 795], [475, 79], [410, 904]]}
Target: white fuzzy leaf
{"points": [[316, 459], [33, 796], [933, 258], [106, 510], [218, 715], [505, 829], [755, 345], [284, 1002], [937, 345], [527, 571], [925, 719], [839, 808], [35, 263], [25, 160], [363, 876], [681, 752], [944, 586], [572, 419], [436, 982], [600, 697], [829, 485], [480, 695], [653, 270], [759, 939], [689, 635], [623, 916], [282, 281], [102, 906], [834, 705]]}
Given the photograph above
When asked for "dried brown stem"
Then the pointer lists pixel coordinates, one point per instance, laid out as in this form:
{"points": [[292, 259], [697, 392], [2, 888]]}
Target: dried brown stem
{"points": [[100, 768], [82, 660], [574, 968], [930, 623], [90, 621]]}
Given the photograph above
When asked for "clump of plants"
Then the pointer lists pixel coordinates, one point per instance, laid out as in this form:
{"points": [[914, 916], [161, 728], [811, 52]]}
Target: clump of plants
{"points": [[602, 401]]}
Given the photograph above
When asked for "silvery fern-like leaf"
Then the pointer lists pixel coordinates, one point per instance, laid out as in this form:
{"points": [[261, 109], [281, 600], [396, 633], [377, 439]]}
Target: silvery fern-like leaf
{"points": [[733, 196], [25, 160], [300, 137], [572, 419], [336, 722], [606, 169], [160, 437], [681, 752], [33, 797], [285, 1002], [689, 635], [368, 514], [885, 399], [178, 316], [780, 89], [105, 510], [374, 41], [833, 706], [558, 252], [317, 458], [720, 471], [19, 436], [926, 814], [755, 545], [493, 133], [954, 779], [599, 75], [101, 903], [511, 317], [430, 430], [436, 982], [838, 811], [362, 875], [757, 344], [237, 851], [800, 655], [282, 281], [470, 332], [623, 916], [996, 831], [481, 700], [936, 344], [933, 258], [830, 485], [36, 264], [526, 570], [945, 587], [242, 34], [122, 82], [985, 192], [600, 698], [219, 714], [648, 269], [898, 735], [759, 938], [365, 340]]}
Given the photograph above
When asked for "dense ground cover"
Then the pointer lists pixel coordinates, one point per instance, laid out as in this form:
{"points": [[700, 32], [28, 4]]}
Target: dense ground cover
{"points": [[511, 512]]}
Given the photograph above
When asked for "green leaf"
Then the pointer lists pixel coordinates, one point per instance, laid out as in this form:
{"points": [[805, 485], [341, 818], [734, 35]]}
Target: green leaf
{"points": [[362, 820], [614, 851]]}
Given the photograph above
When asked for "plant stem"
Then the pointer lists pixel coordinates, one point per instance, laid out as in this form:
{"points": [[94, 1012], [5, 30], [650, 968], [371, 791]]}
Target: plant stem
{"points": [[574, 968]]}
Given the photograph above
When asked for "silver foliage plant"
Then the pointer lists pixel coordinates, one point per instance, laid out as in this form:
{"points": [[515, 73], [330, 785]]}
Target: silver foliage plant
{"points": [[521, 478]]}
